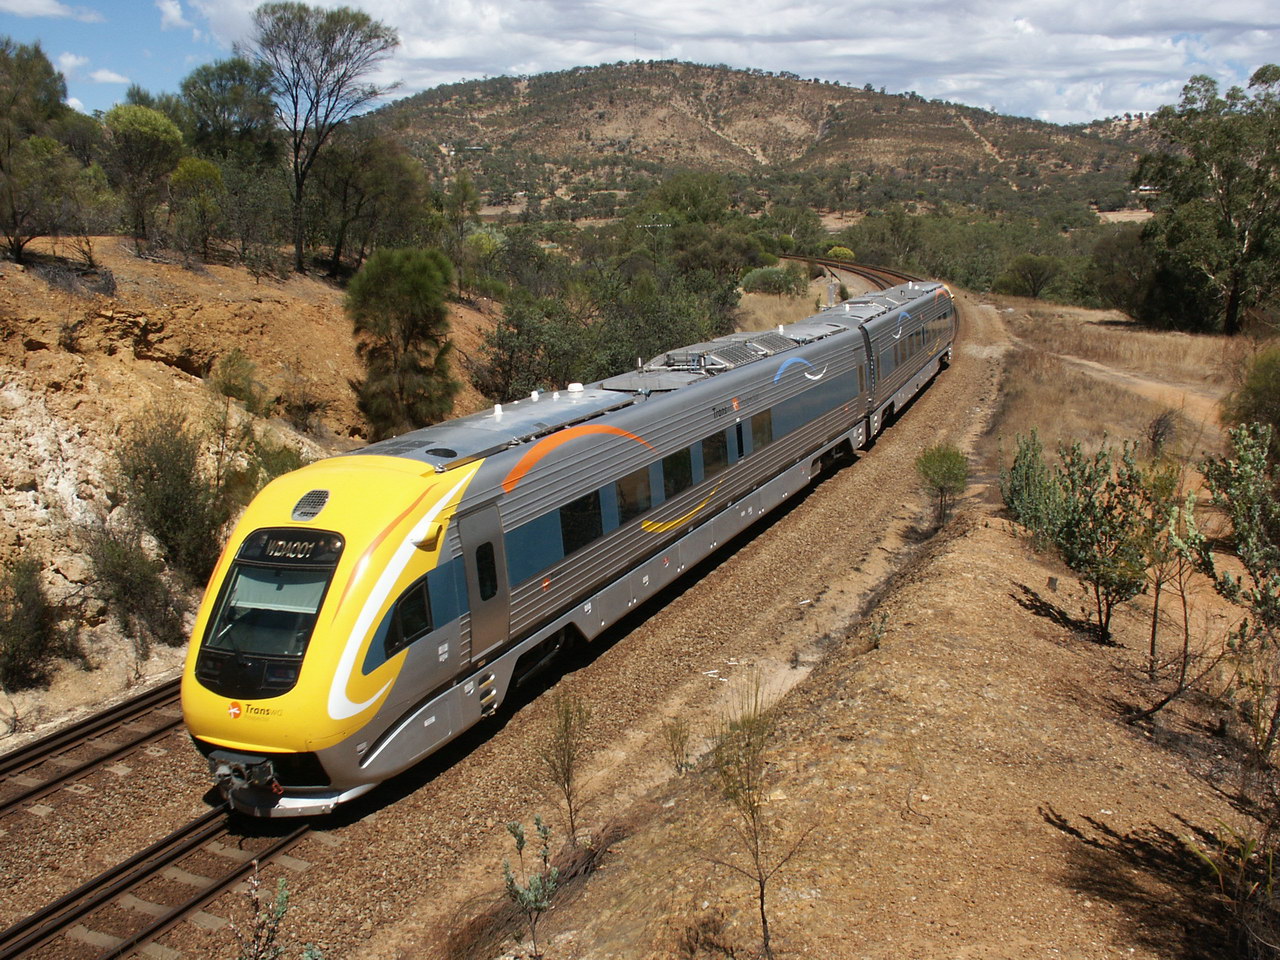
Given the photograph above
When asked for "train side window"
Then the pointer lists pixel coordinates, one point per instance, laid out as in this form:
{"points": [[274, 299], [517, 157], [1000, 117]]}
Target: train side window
{"points": [[634, 495], [715, 454], [412, 619], [580, 522], [677, 472], [486, 571], [761, 430], [739, 444]]}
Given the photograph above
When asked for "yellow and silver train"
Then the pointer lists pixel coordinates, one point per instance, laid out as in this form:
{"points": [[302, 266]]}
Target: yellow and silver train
{"points": [[370, 607]]}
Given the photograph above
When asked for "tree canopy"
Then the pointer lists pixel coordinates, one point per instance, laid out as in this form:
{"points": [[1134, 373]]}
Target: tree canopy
{"points": [[1219, 178], [397, 305], [317, 61]]}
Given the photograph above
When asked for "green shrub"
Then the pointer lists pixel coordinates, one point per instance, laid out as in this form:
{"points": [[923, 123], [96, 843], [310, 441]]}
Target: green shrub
{"points": [[1257, 400], [1030, 492], [233, 376], [945, 473], [171, 494], [775, 280], [29, 638], [146, 608], [840, 253]]}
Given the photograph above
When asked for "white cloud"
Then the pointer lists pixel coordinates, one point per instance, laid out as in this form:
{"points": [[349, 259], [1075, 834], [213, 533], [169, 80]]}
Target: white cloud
{"points": [[49, 8], [75, 104], [171, 17], [70, 63], [1063, 60], [107, 76]]}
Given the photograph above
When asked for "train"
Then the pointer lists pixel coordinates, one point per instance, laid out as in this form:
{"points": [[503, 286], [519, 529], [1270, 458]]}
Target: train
{"points": [[370, 607]]}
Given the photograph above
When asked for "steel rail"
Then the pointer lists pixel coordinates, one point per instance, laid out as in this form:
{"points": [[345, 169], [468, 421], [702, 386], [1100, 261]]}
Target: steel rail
{"points": [[74, 734], [53, 920], [80, 734], [56, 919]]}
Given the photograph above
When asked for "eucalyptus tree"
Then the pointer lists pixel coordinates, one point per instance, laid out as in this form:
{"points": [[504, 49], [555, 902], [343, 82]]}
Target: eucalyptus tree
{"points": [[1219, 180], [318, 61]]}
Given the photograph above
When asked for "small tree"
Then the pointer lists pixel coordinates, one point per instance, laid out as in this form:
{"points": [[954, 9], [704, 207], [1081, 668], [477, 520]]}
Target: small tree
{"points": [[1099, 537], [1030, 493], [143, 147], [397, 305], [1028, 274], [532, 890], [259, 939], [562, 752], [1257, 399], [945, 473], [196, 201], [316, 61], [28, 636], [171, 493], [739, 758], [1246, 486]]}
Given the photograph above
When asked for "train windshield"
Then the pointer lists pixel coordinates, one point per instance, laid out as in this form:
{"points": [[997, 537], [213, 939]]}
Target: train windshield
{"points": [[268, 611]]}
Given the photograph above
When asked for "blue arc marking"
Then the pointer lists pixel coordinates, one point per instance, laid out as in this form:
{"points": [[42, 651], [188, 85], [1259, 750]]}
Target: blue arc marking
{"points": [[802, 362], [901, 317]]}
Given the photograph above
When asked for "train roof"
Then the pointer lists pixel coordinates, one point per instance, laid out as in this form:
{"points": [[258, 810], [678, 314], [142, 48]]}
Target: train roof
{"points": [[455, 442]]}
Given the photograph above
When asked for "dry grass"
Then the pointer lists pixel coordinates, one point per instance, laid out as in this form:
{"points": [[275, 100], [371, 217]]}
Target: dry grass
{"points": [[1116, 341], [1063, 404]]}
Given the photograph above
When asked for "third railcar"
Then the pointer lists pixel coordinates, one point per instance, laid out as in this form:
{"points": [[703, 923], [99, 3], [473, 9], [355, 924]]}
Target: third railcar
{"points": [[370, 607]]}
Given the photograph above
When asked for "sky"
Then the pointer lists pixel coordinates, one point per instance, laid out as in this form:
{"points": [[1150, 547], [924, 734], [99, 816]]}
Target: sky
{"points": [[1066, 61]]}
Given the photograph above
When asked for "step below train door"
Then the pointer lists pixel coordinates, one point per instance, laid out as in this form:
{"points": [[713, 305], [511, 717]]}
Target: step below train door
{"points": [[487, 595]]}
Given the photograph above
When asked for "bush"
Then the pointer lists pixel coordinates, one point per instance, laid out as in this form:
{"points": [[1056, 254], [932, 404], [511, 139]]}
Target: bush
{"points": [[233, 376], [1030, 493], [146, 608], [169, 492], [775, 280], [840, 253], [1257, 400], [945, 473], [29, 638]]}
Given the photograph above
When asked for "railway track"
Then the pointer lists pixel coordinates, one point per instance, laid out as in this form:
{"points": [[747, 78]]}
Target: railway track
{"points": [[882, 277], [44, 766], [133, 903]]}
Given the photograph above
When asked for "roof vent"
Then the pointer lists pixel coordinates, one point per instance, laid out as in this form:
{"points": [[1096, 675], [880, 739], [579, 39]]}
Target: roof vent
{"points": [[309, 507]]}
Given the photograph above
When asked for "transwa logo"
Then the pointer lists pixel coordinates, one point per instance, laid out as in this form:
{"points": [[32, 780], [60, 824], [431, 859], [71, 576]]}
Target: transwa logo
{"points": [[234, 710]]}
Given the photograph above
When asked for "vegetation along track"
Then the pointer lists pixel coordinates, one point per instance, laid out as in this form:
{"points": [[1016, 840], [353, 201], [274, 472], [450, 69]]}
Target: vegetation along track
{"points": [[50, 763], [131, 904]]}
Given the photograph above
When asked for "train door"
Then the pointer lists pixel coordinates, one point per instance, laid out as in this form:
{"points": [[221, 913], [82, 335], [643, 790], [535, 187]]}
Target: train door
{"points": [[487, 592]]}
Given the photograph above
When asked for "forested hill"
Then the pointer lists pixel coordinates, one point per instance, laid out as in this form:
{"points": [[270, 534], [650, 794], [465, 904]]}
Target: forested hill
{"points": [[617, 126]]}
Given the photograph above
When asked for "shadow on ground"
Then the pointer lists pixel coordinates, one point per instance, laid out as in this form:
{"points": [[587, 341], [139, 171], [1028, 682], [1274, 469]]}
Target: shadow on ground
{"points": [[1164, 892], [1032, 602]]}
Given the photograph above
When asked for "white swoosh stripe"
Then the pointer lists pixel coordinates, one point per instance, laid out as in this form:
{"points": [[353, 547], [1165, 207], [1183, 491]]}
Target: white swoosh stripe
{"points": [[340, 705]]}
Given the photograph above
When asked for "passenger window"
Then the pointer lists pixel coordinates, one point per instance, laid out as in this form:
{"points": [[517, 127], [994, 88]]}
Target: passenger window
{"points": [[580, 522], [739, 442], [412, 619], [486, 571], [761, 429], [715, 454], [677, 472], [633, 494]]}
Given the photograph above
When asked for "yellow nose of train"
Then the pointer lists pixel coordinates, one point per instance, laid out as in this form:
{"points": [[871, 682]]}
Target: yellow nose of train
{"points": [[291, 651]]}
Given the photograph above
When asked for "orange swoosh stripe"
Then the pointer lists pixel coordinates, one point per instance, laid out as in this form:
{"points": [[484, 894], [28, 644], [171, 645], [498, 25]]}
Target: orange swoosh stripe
{"points": [[377, 541], [548, 444]]}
